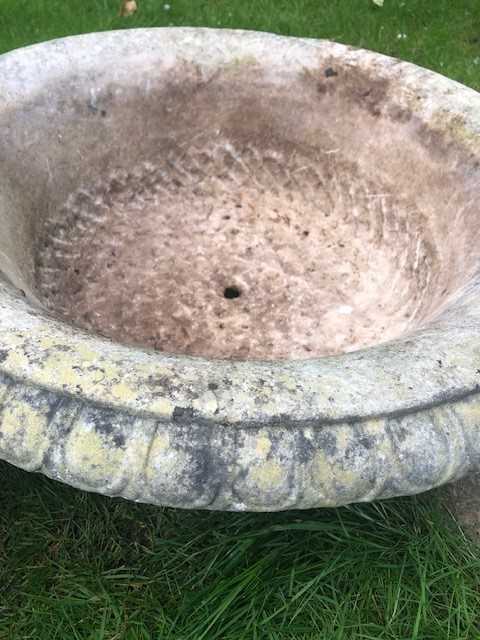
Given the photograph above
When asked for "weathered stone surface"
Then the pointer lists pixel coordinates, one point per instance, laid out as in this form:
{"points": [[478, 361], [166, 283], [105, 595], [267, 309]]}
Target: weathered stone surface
{"points": [[462, 500], [377, 155]]}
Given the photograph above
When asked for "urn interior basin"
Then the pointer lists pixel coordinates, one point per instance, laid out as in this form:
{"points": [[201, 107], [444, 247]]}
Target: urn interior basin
{"points": [[238, 271]]}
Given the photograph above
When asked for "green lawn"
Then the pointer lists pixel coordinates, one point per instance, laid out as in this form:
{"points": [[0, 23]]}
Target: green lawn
{"points": [[75, 565], [80, 566]]}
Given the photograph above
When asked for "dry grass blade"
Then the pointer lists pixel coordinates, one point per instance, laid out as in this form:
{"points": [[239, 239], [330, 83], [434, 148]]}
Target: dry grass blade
{"points": [[128, 7]]}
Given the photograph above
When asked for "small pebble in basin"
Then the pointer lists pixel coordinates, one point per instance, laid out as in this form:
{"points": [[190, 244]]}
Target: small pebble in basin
{"points": [[238, 272]]}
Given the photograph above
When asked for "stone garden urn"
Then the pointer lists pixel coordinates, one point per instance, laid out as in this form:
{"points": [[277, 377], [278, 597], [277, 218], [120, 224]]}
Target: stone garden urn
{"points": [[238, 271]]}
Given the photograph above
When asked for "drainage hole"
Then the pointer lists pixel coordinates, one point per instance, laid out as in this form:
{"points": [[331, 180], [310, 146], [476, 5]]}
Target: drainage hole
{"points": [[231, 292]]}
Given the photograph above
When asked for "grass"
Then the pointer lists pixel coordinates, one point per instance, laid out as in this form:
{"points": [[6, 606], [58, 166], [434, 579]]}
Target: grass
{"points": [[80, 566], [76, 566]]}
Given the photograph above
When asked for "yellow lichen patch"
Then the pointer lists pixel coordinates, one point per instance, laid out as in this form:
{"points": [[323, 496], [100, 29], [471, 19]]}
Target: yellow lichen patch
{"points": [[86, 354], [159, 461], [323, 475], [326, 474], [4, 389], [161, 442], [324, 387], [162, 407], [267, 476], [263, 446], [343, 436], [136, 453], [91, 455], [24, 430], [149, 367], [241, 61], [47, 342], [374, 427], [270, 407], [207, 403], [71, 371], [11, 340], [382, 442], [17, 361], [122, 391], [288, 382], [96, 376], [165, 463], [468, 412], [66, 375], [62, 371], [111, 371]]}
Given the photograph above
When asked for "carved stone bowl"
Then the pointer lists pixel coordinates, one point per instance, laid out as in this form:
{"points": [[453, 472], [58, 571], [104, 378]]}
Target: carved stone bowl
{"points": [[239, 271]]}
